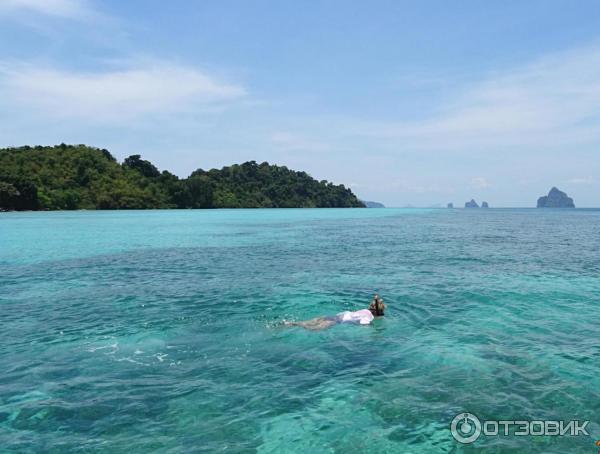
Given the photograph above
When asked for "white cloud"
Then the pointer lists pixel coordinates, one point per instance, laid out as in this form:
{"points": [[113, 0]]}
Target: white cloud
{"points": [[480, 183], [114, 95], [554, 100], [59, 8], [410, 186], [581, 180]]}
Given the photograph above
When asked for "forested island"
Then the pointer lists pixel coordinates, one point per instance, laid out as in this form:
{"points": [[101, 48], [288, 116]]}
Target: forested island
{"points": [[73, 177]]}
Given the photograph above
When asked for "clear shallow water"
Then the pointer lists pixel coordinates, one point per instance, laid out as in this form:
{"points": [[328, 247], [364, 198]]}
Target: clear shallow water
{"points": [[160, 330]]}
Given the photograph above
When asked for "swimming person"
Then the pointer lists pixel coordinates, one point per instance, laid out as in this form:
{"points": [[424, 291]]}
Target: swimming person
{"points": [[361, 317]]}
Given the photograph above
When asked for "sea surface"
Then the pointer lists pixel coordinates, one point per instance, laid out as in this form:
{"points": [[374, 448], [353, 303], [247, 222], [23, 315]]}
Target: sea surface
{"points": [[161, 331]]}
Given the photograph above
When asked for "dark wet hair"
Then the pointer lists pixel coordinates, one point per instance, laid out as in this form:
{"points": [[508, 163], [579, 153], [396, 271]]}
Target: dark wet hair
{"points": [[377, 306]]}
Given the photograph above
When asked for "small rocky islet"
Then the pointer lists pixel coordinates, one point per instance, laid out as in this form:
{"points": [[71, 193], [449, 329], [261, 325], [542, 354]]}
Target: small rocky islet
{"points": [[555, 199], [474, 204]]}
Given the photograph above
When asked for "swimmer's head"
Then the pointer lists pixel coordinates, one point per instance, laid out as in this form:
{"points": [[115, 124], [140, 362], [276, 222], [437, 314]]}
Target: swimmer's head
{"points": [[377, 307]]}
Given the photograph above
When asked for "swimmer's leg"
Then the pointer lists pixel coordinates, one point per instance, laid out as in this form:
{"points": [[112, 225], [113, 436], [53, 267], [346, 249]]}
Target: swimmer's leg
{"points": [[315, 324]]}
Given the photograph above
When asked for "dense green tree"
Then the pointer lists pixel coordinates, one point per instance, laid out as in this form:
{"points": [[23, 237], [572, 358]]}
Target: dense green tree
{"points": [[197, 192], [67, 177], [10, 196], [146, 168]]}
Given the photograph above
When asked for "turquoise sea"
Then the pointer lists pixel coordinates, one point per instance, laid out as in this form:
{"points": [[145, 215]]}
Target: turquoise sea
{"points": [[161, 331]]}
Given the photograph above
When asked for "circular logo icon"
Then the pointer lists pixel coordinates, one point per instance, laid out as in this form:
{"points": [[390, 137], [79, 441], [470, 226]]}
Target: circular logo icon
{"points": [[465, 428]]}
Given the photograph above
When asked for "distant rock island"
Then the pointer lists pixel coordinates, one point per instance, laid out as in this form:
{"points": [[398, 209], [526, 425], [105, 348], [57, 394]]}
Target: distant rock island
{"points": [[450, 205], [471, 204], [373, 204], [484, 205], [555, 199]]}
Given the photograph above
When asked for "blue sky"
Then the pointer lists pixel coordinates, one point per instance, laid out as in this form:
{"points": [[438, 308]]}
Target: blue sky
{"points": [[420, 102]]}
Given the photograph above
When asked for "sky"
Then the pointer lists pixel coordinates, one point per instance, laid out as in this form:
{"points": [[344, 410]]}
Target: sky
{"points": [[408, 103]]}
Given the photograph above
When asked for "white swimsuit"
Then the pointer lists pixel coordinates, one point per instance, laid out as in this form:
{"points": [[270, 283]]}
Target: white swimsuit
{"points": [[362, 317]]}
